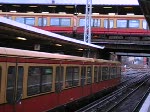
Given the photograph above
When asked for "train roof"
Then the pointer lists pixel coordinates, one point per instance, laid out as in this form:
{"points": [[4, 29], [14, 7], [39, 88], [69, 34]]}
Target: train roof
{"points": [[106, 61], [11, 52], [26, 53]]}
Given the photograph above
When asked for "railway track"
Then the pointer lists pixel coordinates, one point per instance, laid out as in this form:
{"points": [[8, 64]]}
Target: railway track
{"points": [[131, 100], [112, 101]]}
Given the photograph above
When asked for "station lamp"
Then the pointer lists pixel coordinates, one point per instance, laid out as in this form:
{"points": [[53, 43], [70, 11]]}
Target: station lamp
{"points": [[21, 38]]}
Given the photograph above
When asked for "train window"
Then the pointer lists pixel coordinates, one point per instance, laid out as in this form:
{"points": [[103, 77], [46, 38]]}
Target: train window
{"points": [[60, 22], [118, 72], [34, 74], [8, 17], [95, 74], [114, 72], [83, 74], [111, 23], [95, 22], [134, 23], [72, 76], [111, 72], [76, 76], [65, 22], [108, 23], [30, 21], [105, 73], [59, 78], [39, 79], [82, 22], [10, 84], [145, 25], [99, 74], [47, 79], [89, 75], [20, 20], [54, 22], [26, 20], [20, 81], [42, 21], [121, 23]]}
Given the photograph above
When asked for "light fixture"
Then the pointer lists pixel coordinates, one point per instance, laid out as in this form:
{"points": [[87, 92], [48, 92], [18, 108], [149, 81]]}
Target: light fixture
{"points": [[130, 13], [58, 44], [51, 6], [80, 49], [45, 12], [107, 7], [76, 13], [33, 6], [111, 13], [69, 7], [21, 38], [13, 11]]}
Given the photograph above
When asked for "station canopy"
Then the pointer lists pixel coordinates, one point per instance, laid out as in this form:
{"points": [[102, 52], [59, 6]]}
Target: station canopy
{"points": [[18, 35], [71, 2]]}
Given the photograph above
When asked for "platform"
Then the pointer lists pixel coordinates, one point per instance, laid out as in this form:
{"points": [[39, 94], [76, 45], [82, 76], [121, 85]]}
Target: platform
{"points": [[146, 105]]}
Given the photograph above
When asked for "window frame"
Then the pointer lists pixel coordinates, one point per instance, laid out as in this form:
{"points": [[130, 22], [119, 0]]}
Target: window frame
{"points": [[60, 81], [89, 75], [70, 74], [25, 20], [96, 72], [105, 76], [126, 23], [42, 21], [108, 23], [60, 21], [40, 81], [133, 23]]}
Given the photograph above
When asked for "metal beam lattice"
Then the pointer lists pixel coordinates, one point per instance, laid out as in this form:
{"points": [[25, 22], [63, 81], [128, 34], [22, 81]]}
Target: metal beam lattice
{"points": [[87, 27]]}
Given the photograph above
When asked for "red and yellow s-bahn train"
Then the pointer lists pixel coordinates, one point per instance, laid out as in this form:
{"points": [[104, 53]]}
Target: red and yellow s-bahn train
{"points": [[69, 23], [32, 81]]}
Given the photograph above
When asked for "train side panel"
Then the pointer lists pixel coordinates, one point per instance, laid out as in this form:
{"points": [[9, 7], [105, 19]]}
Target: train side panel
{"points": [[101, 24], [29, 84]]}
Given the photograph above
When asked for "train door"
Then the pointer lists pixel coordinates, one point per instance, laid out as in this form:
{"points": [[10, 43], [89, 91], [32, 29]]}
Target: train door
{"points": [[83, 77], [108, 23], [14, 86], [59, 81], [89, 78]]}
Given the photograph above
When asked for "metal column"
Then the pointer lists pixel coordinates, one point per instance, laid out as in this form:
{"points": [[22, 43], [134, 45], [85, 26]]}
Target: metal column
{"points": [[87, 27]]}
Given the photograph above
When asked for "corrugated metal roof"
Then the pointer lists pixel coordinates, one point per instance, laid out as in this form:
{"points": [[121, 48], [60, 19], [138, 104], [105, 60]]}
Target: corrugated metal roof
{"points": [[72, 2]]}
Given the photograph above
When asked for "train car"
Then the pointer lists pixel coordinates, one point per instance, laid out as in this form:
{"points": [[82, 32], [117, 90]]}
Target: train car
{"points": [[32, 81], [69, 23]]}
